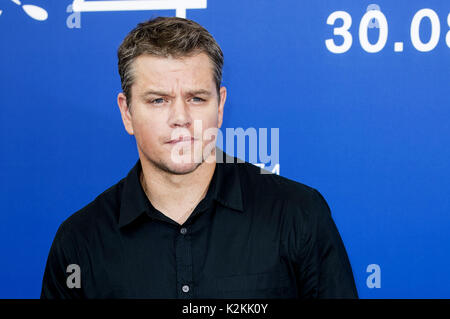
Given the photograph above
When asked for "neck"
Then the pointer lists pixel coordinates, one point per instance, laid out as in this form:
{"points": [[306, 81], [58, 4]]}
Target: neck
{"points": [[176, 196]]}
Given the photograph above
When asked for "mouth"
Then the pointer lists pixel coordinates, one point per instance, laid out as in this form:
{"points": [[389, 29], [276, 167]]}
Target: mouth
{"points": [[181, 139]]}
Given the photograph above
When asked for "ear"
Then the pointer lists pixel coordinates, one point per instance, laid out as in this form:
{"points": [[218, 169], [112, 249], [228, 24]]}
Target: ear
{"points": [[125, 113], [223, 97]]}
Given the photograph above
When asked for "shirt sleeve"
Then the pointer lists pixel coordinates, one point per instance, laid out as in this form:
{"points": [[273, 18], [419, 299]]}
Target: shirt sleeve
{"points": [[322, 266], [62, 254]]}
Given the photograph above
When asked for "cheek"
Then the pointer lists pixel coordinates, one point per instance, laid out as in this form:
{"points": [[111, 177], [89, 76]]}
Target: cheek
{"points": [[210, 129], [147, 130], [210, 119]]}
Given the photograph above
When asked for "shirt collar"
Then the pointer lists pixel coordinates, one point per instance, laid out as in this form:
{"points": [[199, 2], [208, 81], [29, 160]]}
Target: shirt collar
{"points": [[229, 189], [226, 189]]}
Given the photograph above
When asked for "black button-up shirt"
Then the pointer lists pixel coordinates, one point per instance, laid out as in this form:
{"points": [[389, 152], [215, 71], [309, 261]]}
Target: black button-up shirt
{"points": [[253, 235]]}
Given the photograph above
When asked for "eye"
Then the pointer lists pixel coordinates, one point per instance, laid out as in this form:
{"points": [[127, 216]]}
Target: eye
{"points": [[157, 101], [197, 99]]}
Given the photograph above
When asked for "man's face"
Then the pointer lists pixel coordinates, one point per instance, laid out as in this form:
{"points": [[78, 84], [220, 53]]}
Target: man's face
{"points": [[168, 96]]}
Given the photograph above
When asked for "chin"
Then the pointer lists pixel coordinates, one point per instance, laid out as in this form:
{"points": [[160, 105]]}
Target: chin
{"points": [[181, 168], [177, 166]]}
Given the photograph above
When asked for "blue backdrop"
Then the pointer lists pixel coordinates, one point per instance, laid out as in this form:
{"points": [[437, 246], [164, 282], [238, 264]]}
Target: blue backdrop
{"points": [[369, 130]]}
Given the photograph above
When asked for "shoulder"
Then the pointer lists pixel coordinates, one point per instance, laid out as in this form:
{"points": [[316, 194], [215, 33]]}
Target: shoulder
{"points": [[267, 185], [100, 212], [275, 196]]}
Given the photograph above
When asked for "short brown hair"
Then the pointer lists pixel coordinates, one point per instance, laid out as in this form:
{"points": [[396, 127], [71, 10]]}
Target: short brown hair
{"points": [[164, 37]]}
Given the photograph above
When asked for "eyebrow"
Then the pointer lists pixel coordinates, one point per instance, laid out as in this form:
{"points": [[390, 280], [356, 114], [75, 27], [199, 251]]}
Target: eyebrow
{"points": [[199, 92], [162, 93], [154, 92]]}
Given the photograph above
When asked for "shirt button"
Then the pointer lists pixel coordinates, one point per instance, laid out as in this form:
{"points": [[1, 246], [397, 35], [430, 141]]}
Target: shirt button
{"points": [[183, 231], [185, 288]]}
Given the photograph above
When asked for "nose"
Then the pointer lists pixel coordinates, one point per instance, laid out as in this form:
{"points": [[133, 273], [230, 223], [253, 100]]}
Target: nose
{"points": [[179, 114]]}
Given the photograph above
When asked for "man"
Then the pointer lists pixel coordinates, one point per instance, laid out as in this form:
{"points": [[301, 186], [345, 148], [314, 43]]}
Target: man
{"points": [[184, 225]]}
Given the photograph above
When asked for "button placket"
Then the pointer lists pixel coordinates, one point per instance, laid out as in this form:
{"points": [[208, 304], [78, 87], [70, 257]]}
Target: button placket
{"points": [[183, 255]]}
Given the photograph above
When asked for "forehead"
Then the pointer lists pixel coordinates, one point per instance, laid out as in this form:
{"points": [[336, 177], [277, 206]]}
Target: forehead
{"points": [[169, 73]]}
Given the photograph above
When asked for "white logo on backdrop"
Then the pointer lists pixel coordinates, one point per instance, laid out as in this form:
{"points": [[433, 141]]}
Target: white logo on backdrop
{"points": [[180, 6], [33, 11]]}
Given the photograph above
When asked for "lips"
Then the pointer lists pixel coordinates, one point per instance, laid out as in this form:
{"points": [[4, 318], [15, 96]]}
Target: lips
{"points": [[182, 139]]}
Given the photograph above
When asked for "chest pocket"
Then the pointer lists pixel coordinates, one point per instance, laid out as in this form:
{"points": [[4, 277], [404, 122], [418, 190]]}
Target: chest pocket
{"points": [[261, 285]]}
